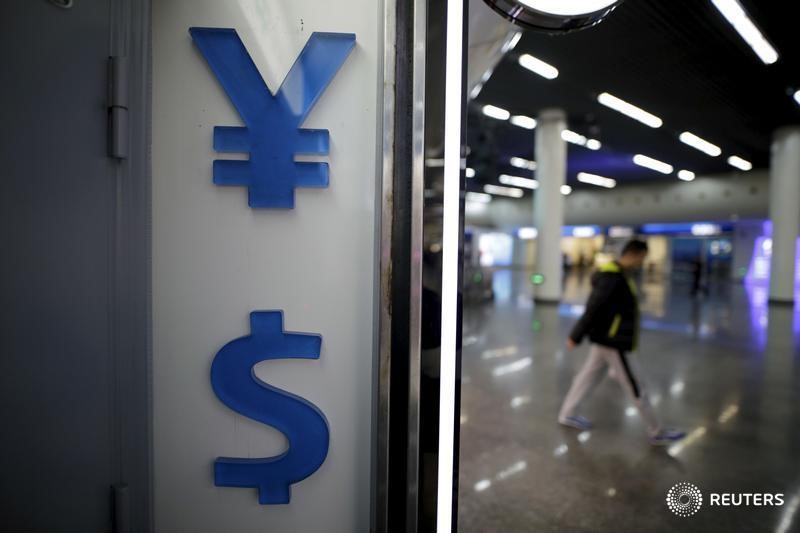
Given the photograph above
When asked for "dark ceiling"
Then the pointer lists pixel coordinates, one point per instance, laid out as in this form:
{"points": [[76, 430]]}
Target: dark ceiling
{"points": [[678, 59]]}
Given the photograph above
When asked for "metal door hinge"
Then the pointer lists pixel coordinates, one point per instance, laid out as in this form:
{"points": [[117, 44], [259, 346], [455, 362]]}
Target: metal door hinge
{"points": [[118, 107], [121, 508]]}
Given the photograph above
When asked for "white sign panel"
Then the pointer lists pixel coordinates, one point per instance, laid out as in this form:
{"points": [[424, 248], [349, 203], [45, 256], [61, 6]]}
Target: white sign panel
{"points": [[264, 225]]}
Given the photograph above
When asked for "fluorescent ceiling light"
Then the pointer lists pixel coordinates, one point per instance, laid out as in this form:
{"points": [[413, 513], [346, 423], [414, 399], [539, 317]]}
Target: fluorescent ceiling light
{"points": [[538, 66], [503, 191], [527, 233], [699, 143], [569, 8], [626, 108], [738, 162], [519, 162], [523, 122], [478, 197], [511, 43], [495, 112], [735, 14], [653, 164], [517, 181], [470, 172], [797, 96], [574, 138], [594, 179], [686, 175], [566, 189]]}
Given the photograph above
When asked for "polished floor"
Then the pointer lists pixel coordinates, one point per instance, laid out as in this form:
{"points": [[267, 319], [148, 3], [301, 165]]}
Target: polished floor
{"points": [[726, 368]]}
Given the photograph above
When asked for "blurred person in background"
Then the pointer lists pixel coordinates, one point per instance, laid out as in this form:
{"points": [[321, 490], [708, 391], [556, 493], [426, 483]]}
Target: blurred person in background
{"points": [[611, 321]]}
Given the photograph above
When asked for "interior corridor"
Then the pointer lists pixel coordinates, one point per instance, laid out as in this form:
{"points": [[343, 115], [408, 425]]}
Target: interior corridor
{"points": [[724, 368]]}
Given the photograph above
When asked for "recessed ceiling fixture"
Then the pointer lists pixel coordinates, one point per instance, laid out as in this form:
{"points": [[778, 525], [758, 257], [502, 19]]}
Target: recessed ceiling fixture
{"points": [[738, 162], [594, 179], [652, 164], [687, 137], [566, 189], [568, 8], [735, 14], [574, 138], [686, 175], [504, 191], [554, 16], [520, 162], [518, 181], [536, 65], [626, 108], [469, 172], [478, 197], [495, 112], [523, 122]]}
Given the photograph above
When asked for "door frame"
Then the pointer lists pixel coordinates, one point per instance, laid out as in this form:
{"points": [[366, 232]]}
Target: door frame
{"points": [[131, 282]]}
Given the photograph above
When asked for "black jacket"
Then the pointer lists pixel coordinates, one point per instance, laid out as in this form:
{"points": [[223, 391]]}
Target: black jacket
{"points": [[611, 317]]}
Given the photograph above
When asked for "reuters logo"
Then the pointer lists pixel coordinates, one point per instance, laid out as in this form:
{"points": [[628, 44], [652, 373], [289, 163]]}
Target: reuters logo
{"points": [[684, 499]]}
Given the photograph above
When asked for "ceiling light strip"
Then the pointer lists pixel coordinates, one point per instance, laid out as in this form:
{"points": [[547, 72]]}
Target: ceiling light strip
{"points": [[520, 162], [495, 112], [523, 122], [511, 192], [537, 66], [737, 17], [741, 164], [687, 137], [628, 109], [652, 164], [518, 181], [594, 179]]}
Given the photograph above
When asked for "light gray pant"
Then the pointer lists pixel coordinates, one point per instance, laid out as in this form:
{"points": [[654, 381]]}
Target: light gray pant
{"points": [[600, 359]]}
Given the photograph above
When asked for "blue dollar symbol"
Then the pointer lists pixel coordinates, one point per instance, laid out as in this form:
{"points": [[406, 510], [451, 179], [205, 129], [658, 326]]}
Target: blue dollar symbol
{"points": [[305, 427]]}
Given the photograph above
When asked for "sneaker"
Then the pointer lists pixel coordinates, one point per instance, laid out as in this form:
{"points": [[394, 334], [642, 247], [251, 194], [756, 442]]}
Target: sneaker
{"points": [[665, 437], [577, 422]]}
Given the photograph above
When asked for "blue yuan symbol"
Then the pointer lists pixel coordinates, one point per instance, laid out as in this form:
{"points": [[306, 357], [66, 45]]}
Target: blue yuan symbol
{"points": [[272, 134], [305, 427]]}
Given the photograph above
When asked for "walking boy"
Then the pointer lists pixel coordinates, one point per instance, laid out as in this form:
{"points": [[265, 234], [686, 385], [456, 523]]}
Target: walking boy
{"points": [[611, 320]]}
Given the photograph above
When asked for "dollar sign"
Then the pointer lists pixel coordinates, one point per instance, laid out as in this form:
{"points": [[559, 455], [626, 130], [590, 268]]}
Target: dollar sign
{"points": [[305, 427]]}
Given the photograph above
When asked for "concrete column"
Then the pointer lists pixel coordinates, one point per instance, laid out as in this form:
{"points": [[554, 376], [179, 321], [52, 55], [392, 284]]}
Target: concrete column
{"points": [[784, 198], [548, 203]]}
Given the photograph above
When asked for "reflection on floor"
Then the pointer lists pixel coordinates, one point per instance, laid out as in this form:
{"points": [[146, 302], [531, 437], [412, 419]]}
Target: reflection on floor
{"points": [[725, 368]]}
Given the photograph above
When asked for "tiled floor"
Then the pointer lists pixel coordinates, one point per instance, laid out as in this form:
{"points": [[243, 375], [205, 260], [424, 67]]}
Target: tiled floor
{"points": [[725, 368]]}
